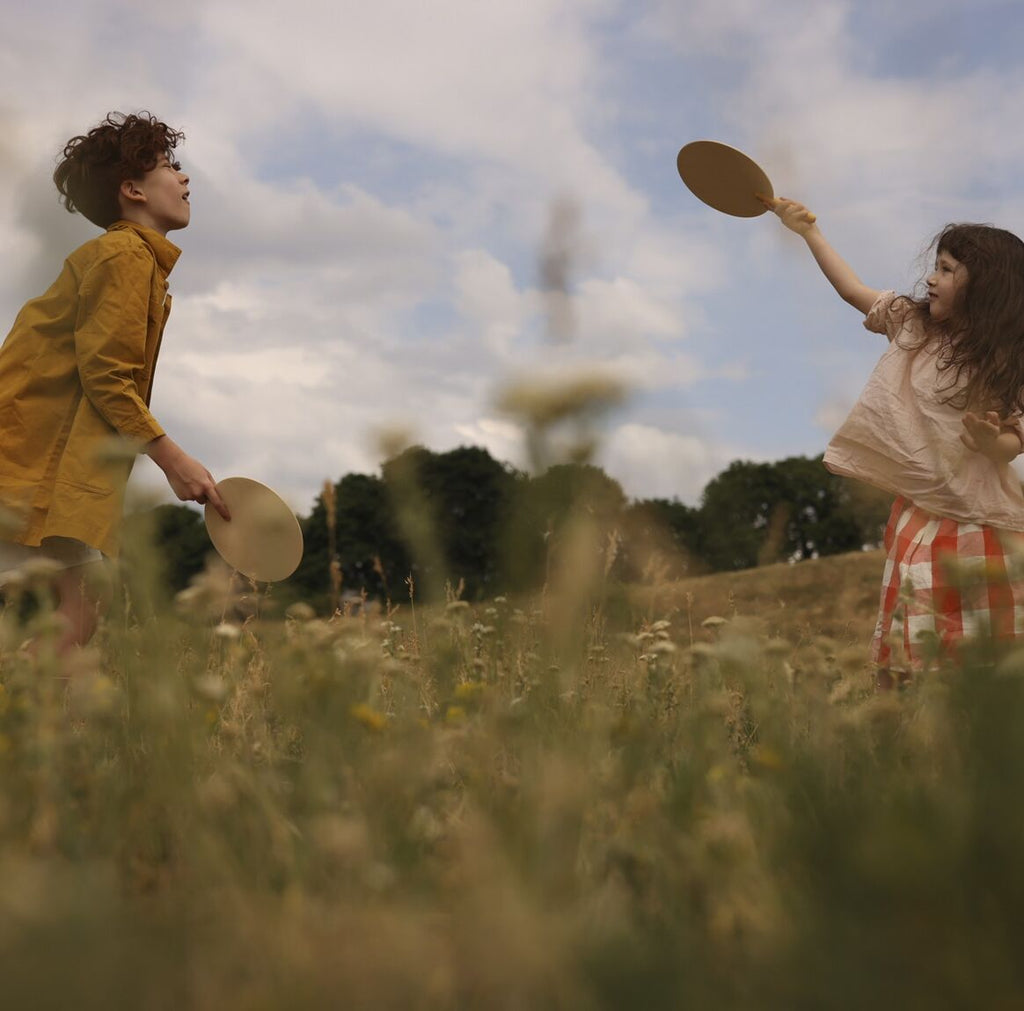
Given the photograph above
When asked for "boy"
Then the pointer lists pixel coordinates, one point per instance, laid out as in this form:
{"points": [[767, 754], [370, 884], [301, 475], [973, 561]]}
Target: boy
{"points": [[76, 370]]}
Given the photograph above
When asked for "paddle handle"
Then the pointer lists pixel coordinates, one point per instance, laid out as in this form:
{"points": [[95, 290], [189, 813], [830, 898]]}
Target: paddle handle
{"points": [[772, 202]]}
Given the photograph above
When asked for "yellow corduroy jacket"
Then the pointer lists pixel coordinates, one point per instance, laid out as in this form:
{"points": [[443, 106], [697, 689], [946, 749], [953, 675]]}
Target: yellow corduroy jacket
{"points": [[76, 372]]}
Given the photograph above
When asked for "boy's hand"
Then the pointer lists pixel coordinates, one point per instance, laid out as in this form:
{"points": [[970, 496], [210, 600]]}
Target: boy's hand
{"points": [[188, 478], [192, 482], [989, 436], [795, 216]]}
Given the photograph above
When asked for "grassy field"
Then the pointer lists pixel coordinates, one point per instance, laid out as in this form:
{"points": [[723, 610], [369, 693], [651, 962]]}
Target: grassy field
{"points": [[684, 795]]}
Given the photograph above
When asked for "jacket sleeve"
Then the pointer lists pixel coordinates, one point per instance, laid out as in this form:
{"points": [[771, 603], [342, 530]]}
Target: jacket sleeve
{"points": [[110, 340]]}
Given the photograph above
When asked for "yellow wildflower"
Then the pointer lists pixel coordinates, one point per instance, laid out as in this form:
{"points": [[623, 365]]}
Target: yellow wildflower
{"points": [[369, 717]]}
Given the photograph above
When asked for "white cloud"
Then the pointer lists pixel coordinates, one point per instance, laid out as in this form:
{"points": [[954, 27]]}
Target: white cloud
{"points": [[372, 184], [832, 413], [493, 309], [501, 438], [650, 462]]}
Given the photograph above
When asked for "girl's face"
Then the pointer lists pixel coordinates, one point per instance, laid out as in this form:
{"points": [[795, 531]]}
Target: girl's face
{"points": [[945, 286]]}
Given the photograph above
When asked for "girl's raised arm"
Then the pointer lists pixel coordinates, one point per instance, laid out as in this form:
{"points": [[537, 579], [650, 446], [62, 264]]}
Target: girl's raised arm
{"points": [[799, 219]]}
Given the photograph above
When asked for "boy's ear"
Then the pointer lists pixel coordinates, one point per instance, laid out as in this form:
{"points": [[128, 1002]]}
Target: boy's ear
{"points": [[132, 192]]}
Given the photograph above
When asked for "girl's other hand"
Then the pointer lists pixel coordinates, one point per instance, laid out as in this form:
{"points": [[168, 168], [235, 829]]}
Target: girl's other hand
{"points": [[990, 436], [795, 216]]}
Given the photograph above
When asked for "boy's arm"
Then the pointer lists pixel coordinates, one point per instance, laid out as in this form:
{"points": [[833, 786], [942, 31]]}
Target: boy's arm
{"points": [[110, 342], [188, 478], [110, 346], [851, 288]]}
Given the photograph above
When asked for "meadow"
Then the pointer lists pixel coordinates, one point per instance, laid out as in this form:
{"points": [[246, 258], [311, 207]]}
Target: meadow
{"points": [[675, 795]]}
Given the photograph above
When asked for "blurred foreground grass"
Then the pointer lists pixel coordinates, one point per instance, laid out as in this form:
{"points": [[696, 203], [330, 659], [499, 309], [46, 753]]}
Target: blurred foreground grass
{"points": [[579, 800]]}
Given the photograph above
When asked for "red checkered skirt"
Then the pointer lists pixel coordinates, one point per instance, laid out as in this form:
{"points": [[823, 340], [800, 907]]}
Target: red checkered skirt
{"points": [[945, 581]]}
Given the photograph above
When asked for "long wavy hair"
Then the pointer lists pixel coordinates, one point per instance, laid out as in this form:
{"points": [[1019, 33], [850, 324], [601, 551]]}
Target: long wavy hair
{"points": [[122, 147], [981, 344]]}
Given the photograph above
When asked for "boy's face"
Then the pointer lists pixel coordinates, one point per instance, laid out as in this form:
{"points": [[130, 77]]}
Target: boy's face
{"points": [[160, 198]]}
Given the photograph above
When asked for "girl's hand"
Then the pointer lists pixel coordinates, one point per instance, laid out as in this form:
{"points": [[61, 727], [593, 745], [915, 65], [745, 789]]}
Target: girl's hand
{"points": [[989, 436], [795, 216]]}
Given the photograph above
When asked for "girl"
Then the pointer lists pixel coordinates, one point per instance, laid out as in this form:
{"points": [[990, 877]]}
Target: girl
{"points": [[937, 425], [76, 369]]}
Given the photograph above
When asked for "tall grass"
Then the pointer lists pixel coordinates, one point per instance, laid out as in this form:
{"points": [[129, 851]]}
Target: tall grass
{"points": [[528, 803], [591, 798]]}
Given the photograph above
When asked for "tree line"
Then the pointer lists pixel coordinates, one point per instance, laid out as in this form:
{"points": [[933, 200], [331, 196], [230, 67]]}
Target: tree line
{"points": [[464, 519]]}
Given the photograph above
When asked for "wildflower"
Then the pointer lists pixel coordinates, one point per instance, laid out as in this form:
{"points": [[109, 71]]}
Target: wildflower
{"points": [[469, 691], [216, 793], [379, 877], [393, 440], [717, 773], [92, 693], [212, 591], [318, 632], [369, 717], [717, 704], [702, 649], [40, 568], [768, 758], [188, 597], [1011, 665], [551, 401], [343, 840], [425, 826], [211, 688], [226, 630]]}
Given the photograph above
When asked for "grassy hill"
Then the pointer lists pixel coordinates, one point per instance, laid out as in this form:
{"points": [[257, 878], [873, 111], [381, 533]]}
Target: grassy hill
{"points": [[543, 803], [834, 597]]}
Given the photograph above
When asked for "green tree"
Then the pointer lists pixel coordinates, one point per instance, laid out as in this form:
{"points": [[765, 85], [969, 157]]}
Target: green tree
{"points": [[736, 510], [371, 556], [662, 538], [756, 513], [462, 498], [177, 534], [545, 504]]}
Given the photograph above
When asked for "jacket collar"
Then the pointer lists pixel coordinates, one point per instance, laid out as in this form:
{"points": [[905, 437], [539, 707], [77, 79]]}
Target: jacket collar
{"points": [[165, 251]]}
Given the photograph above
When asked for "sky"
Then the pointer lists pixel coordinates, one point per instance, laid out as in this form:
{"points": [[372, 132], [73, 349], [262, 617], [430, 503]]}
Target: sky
{"points": [[377, 187]]}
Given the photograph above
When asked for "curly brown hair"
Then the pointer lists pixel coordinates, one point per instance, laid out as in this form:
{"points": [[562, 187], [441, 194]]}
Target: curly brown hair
{"points": [[982, 344], [123, 146]]}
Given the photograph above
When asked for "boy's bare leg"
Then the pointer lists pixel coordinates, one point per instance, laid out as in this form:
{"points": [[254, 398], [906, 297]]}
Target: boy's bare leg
{"points": [[84, 595]]}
